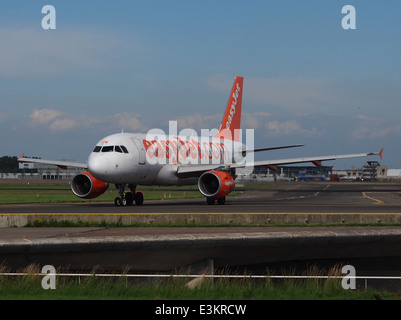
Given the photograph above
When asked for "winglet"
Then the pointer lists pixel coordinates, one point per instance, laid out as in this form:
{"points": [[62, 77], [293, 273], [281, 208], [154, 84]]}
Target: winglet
{"points": [[377, 154], [381, 153]]}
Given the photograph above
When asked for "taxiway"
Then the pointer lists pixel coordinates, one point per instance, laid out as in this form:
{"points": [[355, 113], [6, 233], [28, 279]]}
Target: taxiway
{"points": [[288, 197]]}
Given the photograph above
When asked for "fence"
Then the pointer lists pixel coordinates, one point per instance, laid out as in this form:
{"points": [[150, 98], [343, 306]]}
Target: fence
{"points": [[204, 276]]}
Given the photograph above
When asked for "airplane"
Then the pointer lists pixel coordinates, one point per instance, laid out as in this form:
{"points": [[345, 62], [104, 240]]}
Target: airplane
{"points": [[212, 162]]}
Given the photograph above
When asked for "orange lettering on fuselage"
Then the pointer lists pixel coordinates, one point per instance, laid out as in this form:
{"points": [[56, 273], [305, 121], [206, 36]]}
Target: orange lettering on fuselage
{"points": [[174, 149]]}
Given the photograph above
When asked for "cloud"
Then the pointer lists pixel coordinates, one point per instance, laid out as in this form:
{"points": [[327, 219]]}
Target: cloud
{"points": [[198, 122], [282, 128], [254, 120], [373, 128], [262, 114], [63, 124], [44, 116], [127, 121], [56, 121], [288, 127]]}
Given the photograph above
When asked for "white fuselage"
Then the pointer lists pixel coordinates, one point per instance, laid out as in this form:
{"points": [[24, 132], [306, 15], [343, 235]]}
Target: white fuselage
{"points": [[128, 158]]}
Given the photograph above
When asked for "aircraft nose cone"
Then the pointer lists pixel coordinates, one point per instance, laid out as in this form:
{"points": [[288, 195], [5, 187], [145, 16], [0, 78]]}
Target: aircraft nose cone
{"points": [[99, 167]]}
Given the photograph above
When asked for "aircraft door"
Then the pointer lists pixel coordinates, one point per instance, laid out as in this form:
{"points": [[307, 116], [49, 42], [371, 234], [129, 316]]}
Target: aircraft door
{"points": [[141, 151]]}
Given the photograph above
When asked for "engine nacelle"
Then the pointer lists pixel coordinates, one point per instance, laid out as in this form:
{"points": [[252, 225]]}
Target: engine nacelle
{"points": [[84, 185], [216, 184]]}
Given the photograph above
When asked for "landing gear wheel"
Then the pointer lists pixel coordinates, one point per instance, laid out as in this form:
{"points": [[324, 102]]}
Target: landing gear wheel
{"points": [[210, 201], [138, 198], [118, 202], [221, 201], [129, 196], [124, 202]]}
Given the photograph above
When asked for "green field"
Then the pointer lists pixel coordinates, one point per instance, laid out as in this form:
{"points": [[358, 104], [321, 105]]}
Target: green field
{"points": [[17, 192], [96, 288]]}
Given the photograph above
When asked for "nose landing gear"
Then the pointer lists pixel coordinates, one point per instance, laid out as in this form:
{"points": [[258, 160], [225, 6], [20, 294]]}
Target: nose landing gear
{"points": [[128, 198], [220, 201]]}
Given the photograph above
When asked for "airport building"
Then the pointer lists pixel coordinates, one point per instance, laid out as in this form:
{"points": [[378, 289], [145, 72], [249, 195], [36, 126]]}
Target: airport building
{"points": [[290, 173], [394, 174], [42, 172], [371, 171]]}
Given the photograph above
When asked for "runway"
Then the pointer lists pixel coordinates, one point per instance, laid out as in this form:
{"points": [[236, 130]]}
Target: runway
{"points": [[282, 198], [279, 203]]}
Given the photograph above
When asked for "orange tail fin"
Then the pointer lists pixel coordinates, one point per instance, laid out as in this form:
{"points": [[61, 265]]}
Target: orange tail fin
{"points": [[232, 117]]}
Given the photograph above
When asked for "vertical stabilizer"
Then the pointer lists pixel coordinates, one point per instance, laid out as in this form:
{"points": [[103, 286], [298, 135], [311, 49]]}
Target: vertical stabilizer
{"points": [[232, 117]]}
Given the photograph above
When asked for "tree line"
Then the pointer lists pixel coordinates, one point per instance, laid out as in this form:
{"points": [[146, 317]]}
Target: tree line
{"points": [[8, 164]]}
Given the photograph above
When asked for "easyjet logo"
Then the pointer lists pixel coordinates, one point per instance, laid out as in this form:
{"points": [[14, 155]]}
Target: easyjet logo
{"points": [[233, 106], [177, 150], [188, 148]]}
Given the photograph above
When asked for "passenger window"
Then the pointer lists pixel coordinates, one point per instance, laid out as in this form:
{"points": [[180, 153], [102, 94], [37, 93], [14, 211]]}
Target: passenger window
{"points": [[124, 149], [97, 149], [118, 149], [108, 149]]}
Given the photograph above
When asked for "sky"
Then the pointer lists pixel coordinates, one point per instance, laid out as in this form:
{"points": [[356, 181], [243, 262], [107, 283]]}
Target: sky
{"points": [[133, 65]]}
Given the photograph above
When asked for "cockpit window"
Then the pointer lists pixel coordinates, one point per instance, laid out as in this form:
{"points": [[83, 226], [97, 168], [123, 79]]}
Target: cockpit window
{"points": [[108, 149], [119, 149]]}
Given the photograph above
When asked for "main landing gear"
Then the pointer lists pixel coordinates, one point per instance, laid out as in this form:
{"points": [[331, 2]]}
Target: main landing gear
{"points": [[128, 198]]}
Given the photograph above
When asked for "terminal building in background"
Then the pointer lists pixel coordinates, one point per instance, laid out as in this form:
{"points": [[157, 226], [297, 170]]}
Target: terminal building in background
{"points": [[371, 171], [43, 172]]}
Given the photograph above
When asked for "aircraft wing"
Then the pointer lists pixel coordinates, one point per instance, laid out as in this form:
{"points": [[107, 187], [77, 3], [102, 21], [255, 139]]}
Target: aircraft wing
{"points": [[58, 163], [271, 148], [315, 160], [195, 170]]}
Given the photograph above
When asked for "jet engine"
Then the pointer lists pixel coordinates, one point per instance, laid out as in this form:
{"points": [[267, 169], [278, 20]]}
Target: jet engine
{"points": [[216, 184], [84, 185]]}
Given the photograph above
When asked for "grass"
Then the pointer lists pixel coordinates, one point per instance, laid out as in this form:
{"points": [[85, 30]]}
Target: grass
{"points": [[59, 192], [186, 223], [51, 191], [29, 287]]}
